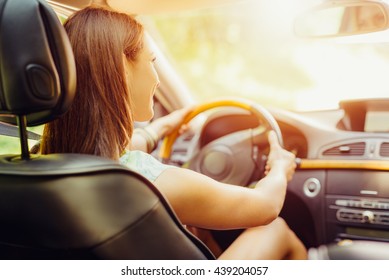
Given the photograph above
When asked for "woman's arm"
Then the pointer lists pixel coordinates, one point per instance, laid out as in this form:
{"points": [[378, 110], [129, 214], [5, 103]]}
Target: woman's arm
{"points": [[203, 202]]}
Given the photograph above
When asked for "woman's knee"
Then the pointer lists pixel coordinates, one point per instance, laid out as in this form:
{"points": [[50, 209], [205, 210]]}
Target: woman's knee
{"points": [[279, 226], [276, 230], [280, 223]]}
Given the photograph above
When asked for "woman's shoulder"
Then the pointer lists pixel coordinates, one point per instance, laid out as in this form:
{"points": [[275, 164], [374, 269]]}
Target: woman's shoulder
{"points": [[143, 163]]}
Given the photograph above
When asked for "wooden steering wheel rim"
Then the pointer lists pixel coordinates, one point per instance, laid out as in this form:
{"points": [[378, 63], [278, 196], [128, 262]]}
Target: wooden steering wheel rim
{"points": [[259, 111]]}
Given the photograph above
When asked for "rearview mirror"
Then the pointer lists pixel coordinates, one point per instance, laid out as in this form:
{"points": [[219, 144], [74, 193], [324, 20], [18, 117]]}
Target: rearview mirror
{"points": [[343, 18]]}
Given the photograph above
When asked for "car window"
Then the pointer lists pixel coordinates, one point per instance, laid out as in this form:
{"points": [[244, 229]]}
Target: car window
{"points": [[249, 49], [11, 145]]}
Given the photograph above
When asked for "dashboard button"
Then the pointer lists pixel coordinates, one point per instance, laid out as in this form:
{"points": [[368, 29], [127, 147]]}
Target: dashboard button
{"points": [[341, 202], [368, 216], [311, 187]]}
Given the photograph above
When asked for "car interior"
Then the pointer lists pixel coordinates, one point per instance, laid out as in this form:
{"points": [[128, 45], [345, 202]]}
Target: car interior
{"points": [[72, 206]]}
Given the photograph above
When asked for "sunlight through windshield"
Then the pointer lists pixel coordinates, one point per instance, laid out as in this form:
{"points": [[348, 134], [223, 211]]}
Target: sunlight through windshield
{"points": [[249, 50]]}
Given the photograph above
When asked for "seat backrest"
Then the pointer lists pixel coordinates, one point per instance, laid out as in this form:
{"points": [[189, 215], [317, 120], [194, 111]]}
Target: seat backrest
{"points": [[69, 206]]}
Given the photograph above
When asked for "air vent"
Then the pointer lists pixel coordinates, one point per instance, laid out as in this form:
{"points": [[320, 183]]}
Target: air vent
{"points": [[352, 149], [384, 149]]}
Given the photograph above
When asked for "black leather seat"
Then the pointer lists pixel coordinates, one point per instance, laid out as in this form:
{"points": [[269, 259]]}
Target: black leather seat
{"points": [[69, 206]]}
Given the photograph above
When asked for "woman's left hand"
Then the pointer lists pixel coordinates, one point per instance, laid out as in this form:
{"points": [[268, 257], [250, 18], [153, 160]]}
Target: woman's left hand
{"points": [[166, 124]]}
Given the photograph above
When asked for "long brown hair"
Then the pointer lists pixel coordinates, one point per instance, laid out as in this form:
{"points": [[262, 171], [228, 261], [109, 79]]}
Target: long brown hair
{"points": [[99, 121]]}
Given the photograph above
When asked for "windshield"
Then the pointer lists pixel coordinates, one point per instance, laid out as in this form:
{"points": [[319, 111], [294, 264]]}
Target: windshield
{"points": [[249, 49]]}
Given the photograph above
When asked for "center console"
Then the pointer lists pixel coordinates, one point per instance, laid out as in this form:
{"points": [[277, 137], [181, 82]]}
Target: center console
{"points": [[357, 205]]}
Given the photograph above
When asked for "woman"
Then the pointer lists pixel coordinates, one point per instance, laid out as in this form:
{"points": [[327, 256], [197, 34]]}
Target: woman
{"points": [[116, 84]]}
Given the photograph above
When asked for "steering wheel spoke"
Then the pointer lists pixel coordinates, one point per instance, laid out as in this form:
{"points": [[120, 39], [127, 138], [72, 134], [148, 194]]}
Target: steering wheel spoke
{"points": [[226, 159]]}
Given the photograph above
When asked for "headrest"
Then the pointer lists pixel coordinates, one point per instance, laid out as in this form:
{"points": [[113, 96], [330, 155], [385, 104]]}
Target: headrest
{"points": [[37, 68]]}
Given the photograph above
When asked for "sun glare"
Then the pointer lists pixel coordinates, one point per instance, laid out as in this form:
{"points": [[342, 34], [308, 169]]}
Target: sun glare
{"points": [[250, 50]]}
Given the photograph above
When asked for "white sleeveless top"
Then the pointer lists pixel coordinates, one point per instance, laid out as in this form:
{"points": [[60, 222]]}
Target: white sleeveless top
{"points": [[144, 164]]}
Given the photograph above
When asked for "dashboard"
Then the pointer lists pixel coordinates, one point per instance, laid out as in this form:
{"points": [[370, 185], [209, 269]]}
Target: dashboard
{"points": [[339, 190]]}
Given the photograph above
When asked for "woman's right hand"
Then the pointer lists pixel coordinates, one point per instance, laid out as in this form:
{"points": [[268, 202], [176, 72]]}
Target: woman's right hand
{"points": [[280, 157]]}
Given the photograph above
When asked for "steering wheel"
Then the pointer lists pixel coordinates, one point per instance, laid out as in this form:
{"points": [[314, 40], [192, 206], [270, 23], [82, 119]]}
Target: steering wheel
{"points": [[236, 158]]}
